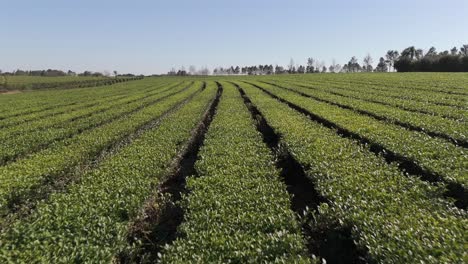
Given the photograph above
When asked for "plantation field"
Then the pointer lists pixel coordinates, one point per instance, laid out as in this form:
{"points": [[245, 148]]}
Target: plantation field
{"points": [[342, 168], [8, 82]]}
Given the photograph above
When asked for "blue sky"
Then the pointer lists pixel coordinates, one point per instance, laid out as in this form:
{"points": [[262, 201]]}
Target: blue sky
{"points": [[154, 36]]}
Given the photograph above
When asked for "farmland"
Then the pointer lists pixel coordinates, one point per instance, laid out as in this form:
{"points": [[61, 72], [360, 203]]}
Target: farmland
{"points": [[20, 83], [347, 168]]}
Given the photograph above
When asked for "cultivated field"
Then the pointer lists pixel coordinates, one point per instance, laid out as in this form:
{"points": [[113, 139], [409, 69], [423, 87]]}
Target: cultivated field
{"points": [[350, 168], [20, 83]]}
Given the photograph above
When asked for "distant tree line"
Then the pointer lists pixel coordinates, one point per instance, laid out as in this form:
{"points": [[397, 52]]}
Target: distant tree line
{"points": [[312, 66], [410, 59], [192, 71], [60, 73]]}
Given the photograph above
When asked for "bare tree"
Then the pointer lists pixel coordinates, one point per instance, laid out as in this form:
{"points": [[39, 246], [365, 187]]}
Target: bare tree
{"points": [[319, 65], [192, 70], [337, 67], [334, 67], [204, 71], [172, 71], [291, 66], [368, 63]]}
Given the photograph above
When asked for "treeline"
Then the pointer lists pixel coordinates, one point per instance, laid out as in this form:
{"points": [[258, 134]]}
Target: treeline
{"points": [[60, 73], [409, 59], [313, 66], [191, 71], [415, 60]]}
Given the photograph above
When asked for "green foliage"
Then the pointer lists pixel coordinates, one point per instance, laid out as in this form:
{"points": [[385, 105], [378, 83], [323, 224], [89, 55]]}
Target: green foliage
{"points": [[19, 178], [395, 218], [66, 82], [453, 129], [43, 103], [89, 222], [79, 204], [21, 139], [434, 154], [237, 209], [371, 93]]}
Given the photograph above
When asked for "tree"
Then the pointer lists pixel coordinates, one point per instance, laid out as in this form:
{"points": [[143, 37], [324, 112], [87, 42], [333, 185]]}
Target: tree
{"points": [[464, 50], [204, 71], [291, 68], [409, 52], [230, 70], [367, 63], [319, 66], [337, 67], [86, 73], [392, 56], [408, 57], [381, 66], [192, 70], [254, 70], [419, 54], [353, 65], [20, 72], [310, 65], [444, 53], [334, 67], [324, 69], [269, 69], [412, 53], [279, 69], [182, 72], [345, 68], [301, 69], [431, 52], [115, 73], [454, 51]]}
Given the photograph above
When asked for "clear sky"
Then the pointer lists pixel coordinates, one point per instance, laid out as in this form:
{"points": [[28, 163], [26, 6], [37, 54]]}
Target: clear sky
{"points": [[154, 36]]}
